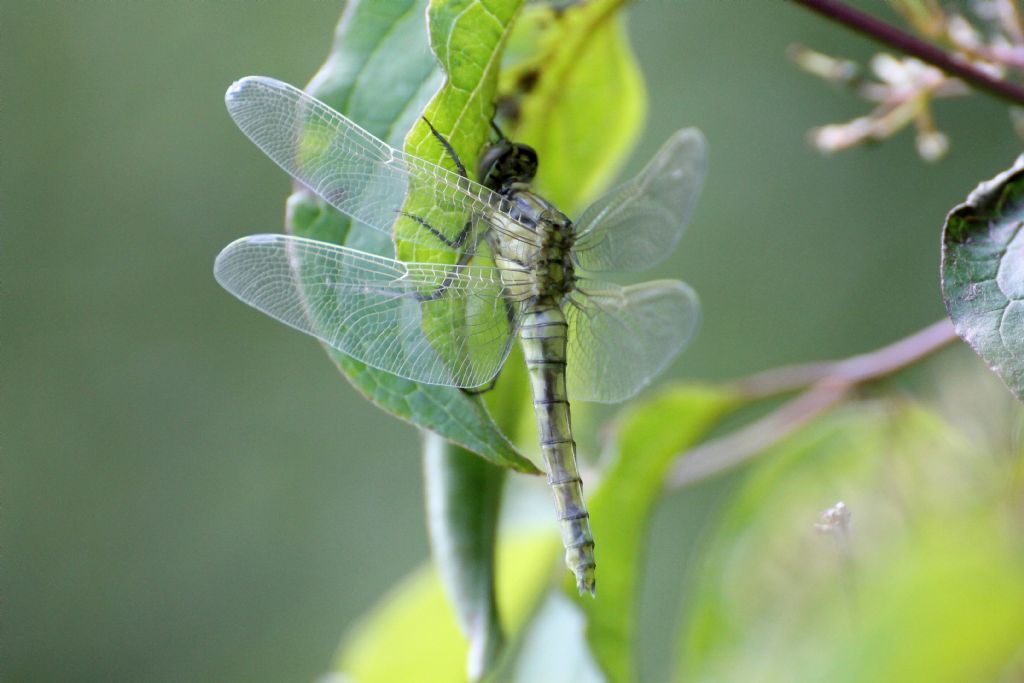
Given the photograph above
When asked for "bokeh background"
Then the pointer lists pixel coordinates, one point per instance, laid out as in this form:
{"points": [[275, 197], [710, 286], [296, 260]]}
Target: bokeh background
{"points": [[189, 489]]}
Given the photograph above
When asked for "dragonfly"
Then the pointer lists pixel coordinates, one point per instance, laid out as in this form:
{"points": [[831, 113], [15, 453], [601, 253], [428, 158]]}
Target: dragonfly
{"points": [[515, 269]]}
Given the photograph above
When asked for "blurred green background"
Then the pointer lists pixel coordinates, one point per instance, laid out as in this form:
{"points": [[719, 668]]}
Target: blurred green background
{"points": [[190, 490]]}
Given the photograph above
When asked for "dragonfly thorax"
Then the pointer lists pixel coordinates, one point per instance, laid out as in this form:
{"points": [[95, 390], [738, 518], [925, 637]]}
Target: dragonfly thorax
{"points": [[508, 168], [549, 262]]}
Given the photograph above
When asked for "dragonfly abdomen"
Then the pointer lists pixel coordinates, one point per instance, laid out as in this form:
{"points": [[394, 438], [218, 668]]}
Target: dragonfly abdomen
{"points": [[543, 335]]}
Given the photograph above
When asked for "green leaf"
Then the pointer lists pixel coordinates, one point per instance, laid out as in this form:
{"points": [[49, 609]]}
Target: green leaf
{"points": [[919, 584], [574, 92], [412, 634], [983, 273], [651, 435], [463, 496], [381, 74], [467, 37]]}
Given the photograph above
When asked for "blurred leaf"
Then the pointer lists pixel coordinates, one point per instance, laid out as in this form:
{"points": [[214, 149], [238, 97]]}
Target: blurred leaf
{"points": [[651, 434], [463, 496], [948, 607], [922, 583], [412, 634], [381, 74], [983, 273], [574, 92], [554, 645]]}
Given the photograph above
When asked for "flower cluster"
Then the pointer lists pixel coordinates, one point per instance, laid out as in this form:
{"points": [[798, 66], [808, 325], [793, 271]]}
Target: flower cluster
{"points": [[903, 89]]}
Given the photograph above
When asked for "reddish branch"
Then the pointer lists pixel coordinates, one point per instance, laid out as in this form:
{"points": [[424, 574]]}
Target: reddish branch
{"points": [[904, 42], [829, 384]]}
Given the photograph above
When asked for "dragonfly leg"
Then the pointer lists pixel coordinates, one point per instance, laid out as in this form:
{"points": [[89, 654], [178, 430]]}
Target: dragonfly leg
{"points": [[455, 243], [439, 292], [482, 390], [510, 311], [416, 296], [583, 310], [501, 135], [447, 147]]}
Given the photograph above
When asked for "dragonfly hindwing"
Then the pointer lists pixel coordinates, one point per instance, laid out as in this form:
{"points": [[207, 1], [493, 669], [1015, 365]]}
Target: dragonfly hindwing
{"points": [[373, 308], [620, 338]]}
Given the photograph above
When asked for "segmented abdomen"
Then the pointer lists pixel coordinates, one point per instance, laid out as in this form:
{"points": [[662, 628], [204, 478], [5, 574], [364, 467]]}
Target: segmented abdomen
{"points": [[543, 335]]}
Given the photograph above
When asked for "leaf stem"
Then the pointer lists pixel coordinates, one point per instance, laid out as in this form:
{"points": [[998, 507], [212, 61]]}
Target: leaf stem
{"points": [[828, 383], [839, 12]]}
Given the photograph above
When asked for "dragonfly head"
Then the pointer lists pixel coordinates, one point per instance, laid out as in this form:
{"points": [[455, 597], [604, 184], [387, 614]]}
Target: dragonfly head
{"points": [[506, 162]]}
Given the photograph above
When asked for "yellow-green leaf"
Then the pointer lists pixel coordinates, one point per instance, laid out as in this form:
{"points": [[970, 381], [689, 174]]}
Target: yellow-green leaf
{"points": [[915, 578], [573, 91], [652, 433], [413, 635]]}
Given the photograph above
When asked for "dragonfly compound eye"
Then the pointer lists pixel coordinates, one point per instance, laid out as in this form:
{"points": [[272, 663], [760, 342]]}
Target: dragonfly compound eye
{"points": [[505, 163]]}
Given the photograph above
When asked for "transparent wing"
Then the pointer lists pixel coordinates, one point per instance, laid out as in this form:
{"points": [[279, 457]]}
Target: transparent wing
{"points": [[620, 338], [359, 174], [436, 324], [638, 223]]}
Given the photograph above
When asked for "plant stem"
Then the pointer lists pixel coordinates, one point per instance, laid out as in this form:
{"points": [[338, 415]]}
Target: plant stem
{"points": [[463, 494], [829, 384], [904, 42], [852, 370]]}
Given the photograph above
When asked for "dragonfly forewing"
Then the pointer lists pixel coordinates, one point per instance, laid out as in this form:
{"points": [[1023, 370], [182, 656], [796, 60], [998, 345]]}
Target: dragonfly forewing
{"points": [[638, 224], [427, 322], [364, 177]]}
